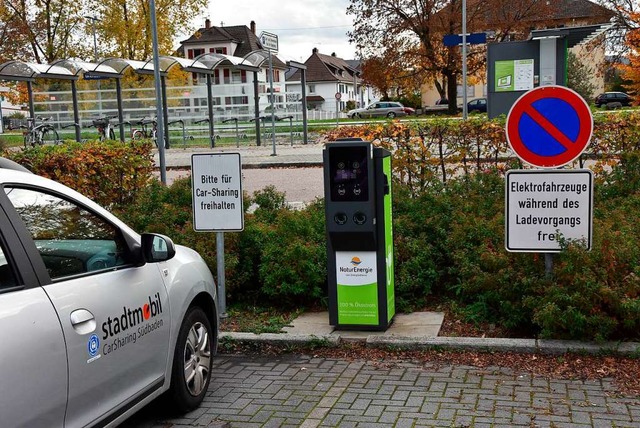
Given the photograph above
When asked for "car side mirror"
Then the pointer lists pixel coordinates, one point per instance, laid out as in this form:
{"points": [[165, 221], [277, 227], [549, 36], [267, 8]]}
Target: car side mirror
{"points": [[157, 248]]}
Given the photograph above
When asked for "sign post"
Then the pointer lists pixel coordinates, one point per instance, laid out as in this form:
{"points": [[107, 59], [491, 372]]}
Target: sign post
{"points": [[270, 43], [548, 127], [338, 96], [217, 203]]}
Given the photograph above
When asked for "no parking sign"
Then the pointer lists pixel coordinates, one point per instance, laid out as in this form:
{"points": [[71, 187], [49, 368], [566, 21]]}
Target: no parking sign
{"points": [[549, 126]]}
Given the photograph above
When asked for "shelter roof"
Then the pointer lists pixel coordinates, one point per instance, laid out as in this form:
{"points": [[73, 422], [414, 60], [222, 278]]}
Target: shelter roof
{"points": [[18, 70]]}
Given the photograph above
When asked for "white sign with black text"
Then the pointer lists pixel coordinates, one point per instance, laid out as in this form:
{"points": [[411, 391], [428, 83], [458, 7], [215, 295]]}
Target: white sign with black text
{"points": [[544, 207], [269, 41], [217, 192]]}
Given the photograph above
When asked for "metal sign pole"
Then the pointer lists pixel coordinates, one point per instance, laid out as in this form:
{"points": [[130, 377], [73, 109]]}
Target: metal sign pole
{"points": [[464, 59], [548, 265], [159, 100], [222, 297], [273, 113]]}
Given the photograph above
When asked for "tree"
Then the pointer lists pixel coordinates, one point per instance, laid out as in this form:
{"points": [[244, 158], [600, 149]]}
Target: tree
{"points": [[44, 31], [579, 77], [416, 29], [125, 28], [631, 71], [38, 30]]}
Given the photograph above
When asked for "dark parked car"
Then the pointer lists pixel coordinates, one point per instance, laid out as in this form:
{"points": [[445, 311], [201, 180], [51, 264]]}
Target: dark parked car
{"points": [[607, 98], [478, 105]]}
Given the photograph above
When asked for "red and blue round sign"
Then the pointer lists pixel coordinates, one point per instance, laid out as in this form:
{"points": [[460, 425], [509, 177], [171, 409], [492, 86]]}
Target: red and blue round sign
{"points": [[549, 126]]}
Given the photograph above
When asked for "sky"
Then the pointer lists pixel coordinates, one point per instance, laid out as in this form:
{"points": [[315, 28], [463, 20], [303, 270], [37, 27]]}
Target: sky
{"points": [[300, 25]]}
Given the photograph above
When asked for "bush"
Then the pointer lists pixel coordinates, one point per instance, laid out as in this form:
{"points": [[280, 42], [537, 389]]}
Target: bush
{"points": [[448, 208], [293, 268], [111, 173]]}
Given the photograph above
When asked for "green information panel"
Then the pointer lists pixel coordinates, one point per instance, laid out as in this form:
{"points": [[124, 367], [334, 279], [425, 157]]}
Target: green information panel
{"points": [[514, 75], [357, 287]]}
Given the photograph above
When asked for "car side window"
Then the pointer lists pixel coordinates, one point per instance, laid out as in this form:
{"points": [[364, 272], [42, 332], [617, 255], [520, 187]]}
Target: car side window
{"points": [[70, 239], [7, 277]]}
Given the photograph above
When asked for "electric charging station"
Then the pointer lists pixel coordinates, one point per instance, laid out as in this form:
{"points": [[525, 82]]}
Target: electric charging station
{"points": [[357, 178]]}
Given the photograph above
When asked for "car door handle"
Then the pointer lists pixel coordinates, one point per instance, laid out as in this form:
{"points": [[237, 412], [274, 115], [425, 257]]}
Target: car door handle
{"points": [[83, 321]]}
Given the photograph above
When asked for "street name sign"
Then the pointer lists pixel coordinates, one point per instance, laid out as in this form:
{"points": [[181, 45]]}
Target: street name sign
{"points": [[217, 192], [90, 76], [472, 39], [269, 41], [549, 126], [545, 206]]}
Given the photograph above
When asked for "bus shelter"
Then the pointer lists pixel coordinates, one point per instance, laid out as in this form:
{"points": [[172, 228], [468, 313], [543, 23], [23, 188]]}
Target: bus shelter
{"points": [[114, 68], [20, 71]]}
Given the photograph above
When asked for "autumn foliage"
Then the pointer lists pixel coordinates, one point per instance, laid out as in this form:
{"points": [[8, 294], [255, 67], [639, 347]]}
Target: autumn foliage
{"points": [[632, 70], [111, 173]]}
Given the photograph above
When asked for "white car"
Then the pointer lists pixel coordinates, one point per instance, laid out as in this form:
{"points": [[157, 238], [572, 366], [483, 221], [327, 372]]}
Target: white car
{"points": [[95, 320], [388, 109]]}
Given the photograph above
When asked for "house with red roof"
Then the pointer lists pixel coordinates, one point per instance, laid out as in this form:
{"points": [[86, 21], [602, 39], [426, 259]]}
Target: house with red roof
{"points": [[331, 82], [233, 88]]}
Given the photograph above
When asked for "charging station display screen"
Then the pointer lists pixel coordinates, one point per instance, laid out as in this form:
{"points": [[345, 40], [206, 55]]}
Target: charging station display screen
{"points": [[348, 174]]}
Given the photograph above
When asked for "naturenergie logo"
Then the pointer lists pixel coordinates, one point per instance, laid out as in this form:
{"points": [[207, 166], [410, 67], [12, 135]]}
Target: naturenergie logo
{"points": [[355, 262]]}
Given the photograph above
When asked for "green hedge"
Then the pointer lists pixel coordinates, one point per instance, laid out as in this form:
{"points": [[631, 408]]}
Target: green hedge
{"points": [[449, 244]]}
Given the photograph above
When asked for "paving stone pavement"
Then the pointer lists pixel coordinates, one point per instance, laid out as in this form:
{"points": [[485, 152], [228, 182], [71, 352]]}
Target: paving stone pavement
{"points": [[302, 391]]}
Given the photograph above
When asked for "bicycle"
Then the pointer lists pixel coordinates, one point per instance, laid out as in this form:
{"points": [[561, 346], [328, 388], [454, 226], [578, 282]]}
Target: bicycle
{"points": [[39, 135], [144, 132], [105, 130]]}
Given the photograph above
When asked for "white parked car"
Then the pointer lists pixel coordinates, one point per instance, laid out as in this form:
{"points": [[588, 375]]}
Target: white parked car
{"points": [[95, 320], [388, 109]]}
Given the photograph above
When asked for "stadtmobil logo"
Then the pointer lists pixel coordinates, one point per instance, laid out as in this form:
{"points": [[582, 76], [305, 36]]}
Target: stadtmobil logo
{"points": [[131, 317], [355, 267]]}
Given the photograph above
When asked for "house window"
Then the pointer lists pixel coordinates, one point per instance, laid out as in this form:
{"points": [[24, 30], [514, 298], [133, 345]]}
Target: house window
{"points": [[312, 89], [192, 53], [227, 76]]}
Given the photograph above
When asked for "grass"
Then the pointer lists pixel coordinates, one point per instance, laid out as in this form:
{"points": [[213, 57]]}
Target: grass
{"points": [[253, 319]]}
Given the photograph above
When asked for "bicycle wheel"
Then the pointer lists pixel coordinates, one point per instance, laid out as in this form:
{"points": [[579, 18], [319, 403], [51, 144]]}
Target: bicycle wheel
{"points": [[49, 137], [112, 134], [137, 135]]}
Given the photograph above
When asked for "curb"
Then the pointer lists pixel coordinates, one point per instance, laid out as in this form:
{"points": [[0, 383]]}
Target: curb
{"points": [[259, 165], [548, 347]]}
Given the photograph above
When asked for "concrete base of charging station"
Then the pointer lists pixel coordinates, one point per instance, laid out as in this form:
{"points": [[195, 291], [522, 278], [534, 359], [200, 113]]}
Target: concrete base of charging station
{"points": [[414, 325]]}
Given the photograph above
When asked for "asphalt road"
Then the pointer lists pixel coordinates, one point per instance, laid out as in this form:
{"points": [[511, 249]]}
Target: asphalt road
{"points": [[305, 391], [299, 184]]}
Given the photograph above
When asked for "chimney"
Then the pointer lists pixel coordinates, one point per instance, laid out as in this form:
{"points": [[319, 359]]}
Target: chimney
{"points": [[253, 27], [207, 23], [314, 51], [333, 54]]}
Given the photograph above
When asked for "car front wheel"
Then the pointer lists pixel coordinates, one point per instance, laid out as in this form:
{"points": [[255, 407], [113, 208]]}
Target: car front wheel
{"points": [[192, 361]]}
